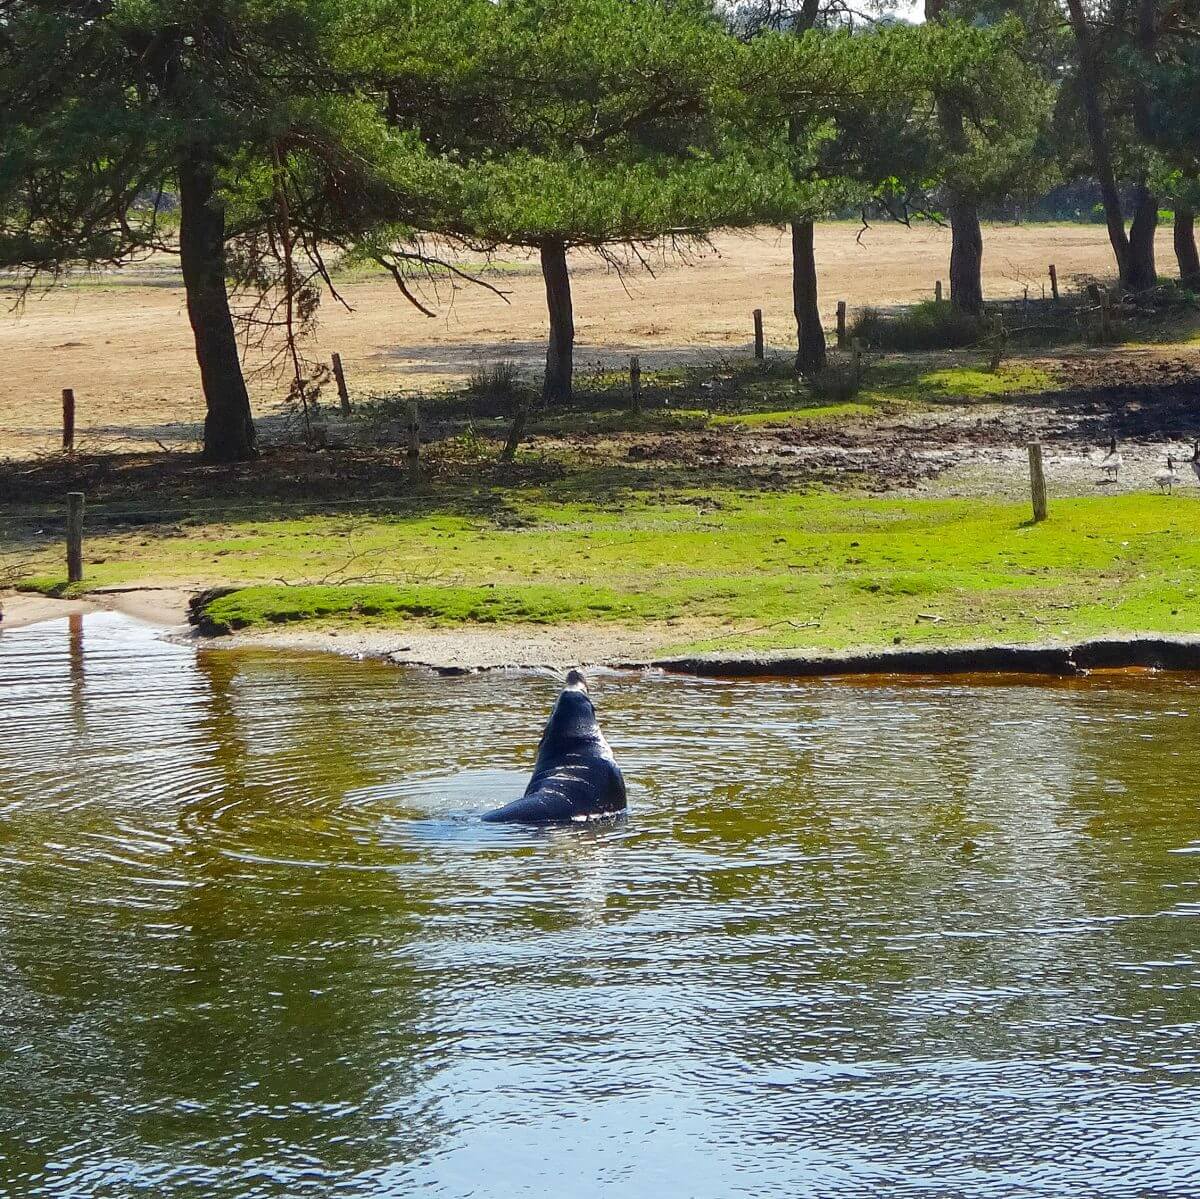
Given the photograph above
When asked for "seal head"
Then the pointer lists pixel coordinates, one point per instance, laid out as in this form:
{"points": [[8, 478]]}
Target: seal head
{"points": [[576, 776]]}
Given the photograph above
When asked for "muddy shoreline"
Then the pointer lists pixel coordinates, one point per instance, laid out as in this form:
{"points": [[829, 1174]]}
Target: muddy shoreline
{"points": [[1145, 652], [467, 650]]}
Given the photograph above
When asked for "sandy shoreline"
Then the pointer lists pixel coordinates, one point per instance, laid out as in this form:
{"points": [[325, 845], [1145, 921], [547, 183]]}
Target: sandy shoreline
{"points": [[469, 648], [479, 647], [530, 647], [165, 606]]}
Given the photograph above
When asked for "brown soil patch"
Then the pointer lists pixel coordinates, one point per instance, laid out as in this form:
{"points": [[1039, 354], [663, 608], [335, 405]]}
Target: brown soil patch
{"points": [[1148, 400]]}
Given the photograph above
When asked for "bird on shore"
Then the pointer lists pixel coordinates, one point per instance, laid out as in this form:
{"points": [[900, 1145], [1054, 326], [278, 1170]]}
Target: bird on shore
{"points": [[1111, 462], [1195, 460], [1166, 479]]}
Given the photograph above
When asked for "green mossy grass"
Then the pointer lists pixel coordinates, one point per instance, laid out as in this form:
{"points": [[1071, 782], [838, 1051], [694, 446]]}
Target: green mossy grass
{"points": [[761, 570]]}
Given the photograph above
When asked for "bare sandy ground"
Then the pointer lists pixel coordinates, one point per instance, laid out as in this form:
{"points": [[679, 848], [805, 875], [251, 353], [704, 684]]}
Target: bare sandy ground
{"points": [[165, 606], [126, 349], [556, 647]]}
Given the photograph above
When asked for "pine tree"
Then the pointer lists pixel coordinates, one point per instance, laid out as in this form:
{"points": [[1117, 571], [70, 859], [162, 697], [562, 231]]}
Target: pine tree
{"points": [[234, 133]]}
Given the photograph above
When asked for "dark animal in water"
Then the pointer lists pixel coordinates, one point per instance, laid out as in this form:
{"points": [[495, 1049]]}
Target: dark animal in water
{"points": [[575, 776]]}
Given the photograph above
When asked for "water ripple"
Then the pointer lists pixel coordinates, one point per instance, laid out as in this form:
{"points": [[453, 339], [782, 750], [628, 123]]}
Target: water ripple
{"points": [[857, 937]]}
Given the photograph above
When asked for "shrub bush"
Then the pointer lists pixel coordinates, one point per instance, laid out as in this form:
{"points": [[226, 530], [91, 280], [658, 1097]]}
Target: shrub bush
{"points": [[836, 383], [495, 380], [926, 326]]}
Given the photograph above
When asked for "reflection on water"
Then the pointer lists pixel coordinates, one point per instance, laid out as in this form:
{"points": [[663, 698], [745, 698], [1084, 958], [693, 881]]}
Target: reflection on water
{"points": [[854, 938]]}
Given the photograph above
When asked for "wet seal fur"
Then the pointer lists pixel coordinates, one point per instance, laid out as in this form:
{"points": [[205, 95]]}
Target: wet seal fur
{"points": [[576, 776]]}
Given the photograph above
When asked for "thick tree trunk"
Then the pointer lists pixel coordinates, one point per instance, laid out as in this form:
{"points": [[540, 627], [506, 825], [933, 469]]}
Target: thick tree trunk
{"points": [[1140, 272], [1185, 242], [1131, 265], [966, 237], [561, 348], [810, 336], [228, 426], [966, 256]]}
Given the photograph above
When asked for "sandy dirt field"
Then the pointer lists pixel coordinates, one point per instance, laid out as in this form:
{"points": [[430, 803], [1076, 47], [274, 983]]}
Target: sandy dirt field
{"points": [[124, 344]]}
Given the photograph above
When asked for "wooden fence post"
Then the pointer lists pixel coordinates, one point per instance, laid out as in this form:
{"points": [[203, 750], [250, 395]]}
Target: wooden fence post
{"points": [[1053, 283], [937, 292], [999, 345], [68, 399], [340, 378], [74, 536], [856, 357], [635, 383], [759, 344], [1037, 482], [516, 431], [414, 442], [841, 324]]}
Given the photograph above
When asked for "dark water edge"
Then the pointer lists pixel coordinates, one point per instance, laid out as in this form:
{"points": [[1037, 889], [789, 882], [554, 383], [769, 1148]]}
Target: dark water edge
{"points": [[856, 938], [1144, 652]]}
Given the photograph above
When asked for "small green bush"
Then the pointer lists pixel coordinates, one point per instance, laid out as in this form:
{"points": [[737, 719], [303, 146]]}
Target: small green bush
{"points": [[926, 326], [836, 383], [496, 380]]}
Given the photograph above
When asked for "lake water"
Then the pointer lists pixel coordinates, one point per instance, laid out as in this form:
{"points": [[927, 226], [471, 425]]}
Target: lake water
{"points": [[855, 938]]}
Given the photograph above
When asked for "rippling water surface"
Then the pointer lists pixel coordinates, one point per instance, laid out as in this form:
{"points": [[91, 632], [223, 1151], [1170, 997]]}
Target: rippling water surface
{"points": [[854, 939]]}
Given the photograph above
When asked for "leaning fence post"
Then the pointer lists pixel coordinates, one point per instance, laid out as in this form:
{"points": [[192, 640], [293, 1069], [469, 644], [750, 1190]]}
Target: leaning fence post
{"points": [[340, 378], [1053, 282], [74, 536], [759, 344], [841, 324], [414, 442], [1037, 482], [635, 383], [937, 292], [68, 399], [516, 430]]}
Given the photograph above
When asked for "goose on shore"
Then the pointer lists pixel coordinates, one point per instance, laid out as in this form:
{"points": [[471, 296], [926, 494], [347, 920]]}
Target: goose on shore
{"points": [[1111, 462], [1166, 479]]}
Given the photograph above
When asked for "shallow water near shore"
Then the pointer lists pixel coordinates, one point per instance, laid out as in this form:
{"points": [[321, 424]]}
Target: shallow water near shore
{"points": [[854, 937]]}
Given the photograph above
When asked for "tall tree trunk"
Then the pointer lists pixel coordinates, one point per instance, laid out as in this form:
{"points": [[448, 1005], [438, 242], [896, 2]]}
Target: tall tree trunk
{"points": [[1185, 242], [228, 425], [810, 336], [966, 237], [561, 348], [1140, 272], [1102, 161], [966, 256]]}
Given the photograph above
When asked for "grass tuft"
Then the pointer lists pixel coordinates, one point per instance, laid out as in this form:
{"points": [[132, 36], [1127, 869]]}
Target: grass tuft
{"points": [[498, 381]]}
